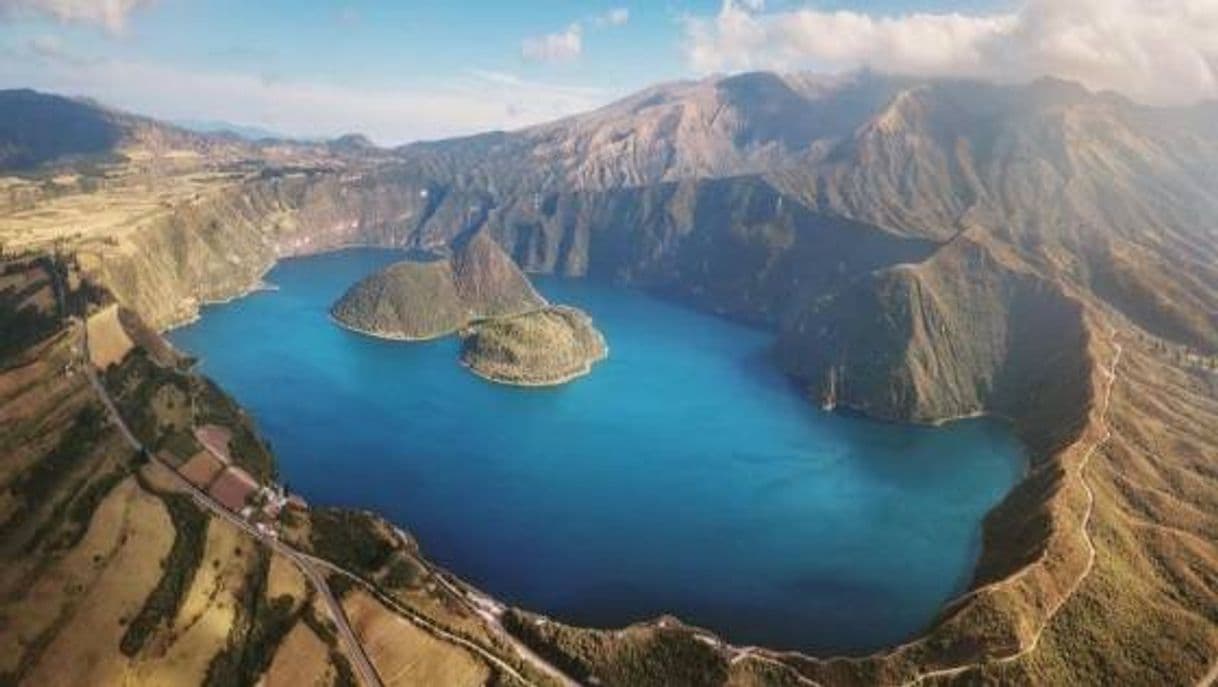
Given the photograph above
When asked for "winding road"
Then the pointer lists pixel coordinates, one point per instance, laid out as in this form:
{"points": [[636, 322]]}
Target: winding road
{"points": [[1084, 531], [312, 567], [491, 613], [309, 566], [355, 650]]}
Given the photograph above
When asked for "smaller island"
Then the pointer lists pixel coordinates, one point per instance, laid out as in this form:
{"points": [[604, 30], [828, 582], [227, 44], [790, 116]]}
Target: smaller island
{"points": [[543, 347], [509, 333]]}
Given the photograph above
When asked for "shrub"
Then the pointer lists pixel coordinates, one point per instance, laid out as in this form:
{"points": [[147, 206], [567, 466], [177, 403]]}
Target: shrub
{"points": [[190, 525]]}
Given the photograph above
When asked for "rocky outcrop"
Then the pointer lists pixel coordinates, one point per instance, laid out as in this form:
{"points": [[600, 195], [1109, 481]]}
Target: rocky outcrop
{"points": [[926, 249], [424, 299], [544, 347], [959, 334], [219, 245]]}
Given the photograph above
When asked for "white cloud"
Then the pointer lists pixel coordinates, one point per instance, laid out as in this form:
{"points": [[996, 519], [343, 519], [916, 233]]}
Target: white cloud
{"points": [[110, 14], [568, 44], [513, 81], [1161, 51], [469, 103], [618, 16], [47, 46], [555, 47]]}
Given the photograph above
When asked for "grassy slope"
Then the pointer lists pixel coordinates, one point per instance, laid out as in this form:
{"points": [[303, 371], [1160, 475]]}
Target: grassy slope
{"points": [[546, 346], [107, 568]]}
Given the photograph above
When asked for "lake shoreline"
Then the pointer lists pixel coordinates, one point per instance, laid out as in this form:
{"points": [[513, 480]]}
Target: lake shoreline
{"points": [[687, 341]]}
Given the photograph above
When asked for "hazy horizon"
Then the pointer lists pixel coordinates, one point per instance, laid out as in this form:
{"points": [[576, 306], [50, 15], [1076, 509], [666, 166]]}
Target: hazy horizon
{"points": [[397, 74], [316, 70]]}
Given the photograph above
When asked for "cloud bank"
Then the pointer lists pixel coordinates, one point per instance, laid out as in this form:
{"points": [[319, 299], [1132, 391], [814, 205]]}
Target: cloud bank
{"points": [[568, 44], [618, 16], [468, 102], [1157, 51], [555, 47], [109, 14]]}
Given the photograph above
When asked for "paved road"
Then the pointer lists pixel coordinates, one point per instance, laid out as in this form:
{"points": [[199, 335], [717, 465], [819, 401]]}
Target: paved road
{"points": [[307, 565], [749, 653], [491, 612], [423, 621], [1111, 373], [355, 650]]}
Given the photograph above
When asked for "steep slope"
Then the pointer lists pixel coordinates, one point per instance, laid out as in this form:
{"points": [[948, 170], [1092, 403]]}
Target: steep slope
{"points": [[425, 299], [543, 347], [116, 570], [924, 249], [716, 127], [1052, 217], [36, 128], [961, 333], [1091, 189]]}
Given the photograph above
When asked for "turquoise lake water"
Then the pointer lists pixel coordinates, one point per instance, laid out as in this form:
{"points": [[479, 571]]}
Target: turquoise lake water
{"points": [[685, 475]]}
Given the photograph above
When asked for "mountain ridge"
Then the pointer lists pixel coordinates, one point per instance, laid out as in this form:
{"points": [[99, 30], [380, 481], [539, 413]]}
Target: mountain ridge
{"points": [[952, 248]]}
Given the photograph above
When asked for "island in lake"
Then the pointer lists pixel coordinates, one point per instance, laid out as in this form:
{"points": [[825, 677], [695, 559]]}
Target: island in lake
{"points": [[544, 347], [510, 333], [422, 299]]}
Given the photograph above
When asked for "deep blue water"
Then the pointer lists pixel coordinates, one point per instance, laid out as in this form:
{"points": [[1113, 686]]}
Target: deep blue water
{"points": [[684, 475]]}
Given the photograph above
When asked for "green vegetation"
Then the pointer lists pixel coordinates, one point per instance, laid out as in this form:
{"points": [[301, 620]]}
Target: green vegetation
{"points": [[39, 483], [190, 525], [136, 385], [344, 674], [637, 657], [339, 585], [248, 451], [23, 324], [416, 299], [324, 629], [45, 482], [350, 540], [547, 346], [403, 572], [80, 512], [257, 633], [181, 444]]}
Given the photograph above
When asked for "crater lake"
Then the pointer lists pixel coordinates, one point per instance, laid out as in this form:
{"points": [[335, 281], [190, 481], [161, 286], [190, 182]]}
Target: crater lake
{"points": [[685, 475]]}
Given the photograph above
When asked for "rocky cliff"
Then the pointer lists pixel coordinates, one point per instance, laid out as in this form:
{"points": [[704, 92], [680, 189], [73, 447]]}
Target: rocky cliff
{"points": [[924, 248], [114, 570], [958, 334], [218, 245], [820, 207]]}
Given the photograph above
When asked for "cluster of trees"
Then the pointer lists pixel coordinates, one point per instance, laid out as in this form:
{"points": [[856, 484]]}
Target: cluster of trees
{"points": [[1181, 354]]}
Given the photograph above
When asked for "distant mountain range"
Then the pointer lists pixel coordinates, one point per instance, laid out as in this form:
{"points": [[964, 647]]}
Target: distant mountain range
{"points": [[923, 249], [215, 126]]}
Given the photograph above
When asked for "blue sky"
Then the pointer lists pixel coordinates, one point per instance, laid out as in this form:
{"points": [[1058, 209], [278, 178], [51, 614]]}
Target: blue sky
{"points": [[406, 70]]}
